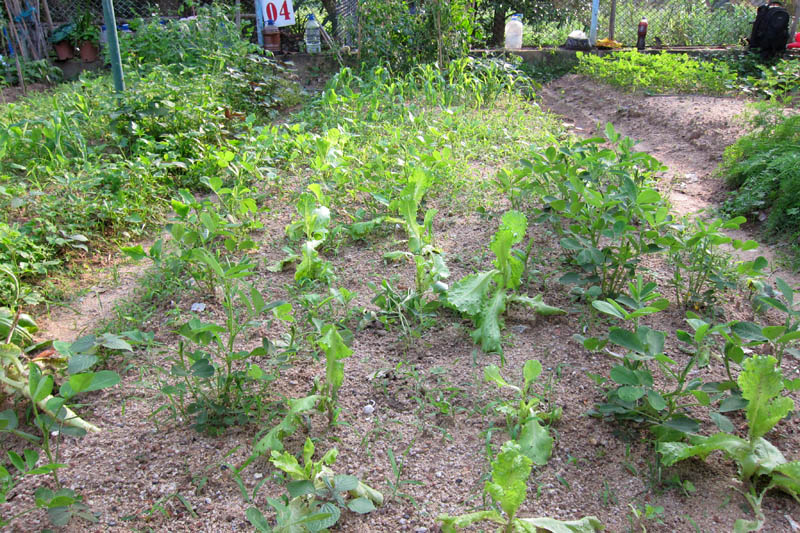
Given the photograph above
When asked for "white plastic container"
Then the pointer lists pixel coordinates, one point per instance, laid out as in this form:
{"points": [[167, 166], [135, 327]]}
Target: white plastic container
{"points": [[312, 35], [514, 33]]}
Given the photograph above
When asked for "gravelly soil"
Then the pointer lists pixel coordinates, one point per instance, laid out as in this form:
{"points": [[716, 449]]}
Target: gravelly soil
{"points": [[129, 471]]}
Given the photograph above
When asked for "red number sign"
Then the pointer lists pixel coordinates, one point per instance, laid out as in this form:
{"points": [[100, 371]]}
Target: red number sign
{"points": [[279, 11]]}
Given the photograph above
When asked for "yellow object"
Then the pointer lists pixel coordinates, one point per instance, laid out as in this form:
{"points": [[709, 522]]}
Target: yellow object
{"points": [[608, 43]]}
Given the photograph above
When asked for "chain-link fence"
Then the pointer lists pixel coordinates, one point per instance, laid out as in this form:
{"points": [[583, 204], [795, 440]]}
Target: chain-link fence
{"points": [[676, 22], [671, 22]]}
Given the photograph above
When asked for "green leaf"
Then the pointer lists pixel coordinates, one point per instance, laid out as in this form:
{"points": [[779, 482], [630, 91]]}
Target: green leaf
{"points": [[80, 362], [672, 452], [451, 524], [469, 293], [588, 524], [624, 376], [761, 384], [626, 339], [345, 483], [257, 520], [627, 393], [536, 304], [531, 370], [335, 350], [610, 308], [288, 463], [535, 442], [510, 472], [80, 382], [328, 515], [113, 342], [722, 422], [748, 331], [136, 253], [488, 332], [492, 373], [655, 400], [787, 478], [361, 505]]}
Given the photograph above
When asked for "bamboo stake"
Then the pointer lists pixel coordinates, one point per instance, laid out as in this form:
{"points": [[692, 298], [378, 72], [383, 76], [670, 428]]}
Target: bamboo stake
{"points": [[17, 50]]}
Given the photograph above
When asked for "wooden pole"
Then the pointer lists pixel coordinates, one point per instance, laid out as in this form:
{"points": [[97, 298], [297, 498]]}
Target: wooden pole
{"points": [[47, 16], [796, 19], [17, 49]]}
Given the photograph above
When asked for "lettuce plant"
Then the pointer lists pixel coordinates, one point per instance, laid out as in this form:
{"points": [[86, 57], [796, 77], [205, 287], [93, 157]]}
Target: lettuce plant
{"points": [[508, 488], [762, 466], [483, 296]]}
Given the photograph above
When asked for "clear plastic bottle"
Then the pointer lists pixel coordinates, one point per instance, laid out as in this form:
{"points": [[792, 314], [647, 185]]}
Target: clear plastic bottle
{"points": [[312, 35], [514, 33]]}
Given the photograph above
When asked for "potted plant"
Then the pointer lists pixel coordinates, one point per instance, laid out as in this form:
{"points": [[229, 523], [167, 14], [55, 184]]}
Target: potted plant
{"points": [[62, 41], [87, 37]]}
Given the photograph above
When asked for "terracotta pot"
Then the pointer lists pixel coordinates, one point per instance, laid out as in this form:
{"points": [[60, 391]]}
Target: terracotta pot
{"points": [[64, 50], [89, 51]]}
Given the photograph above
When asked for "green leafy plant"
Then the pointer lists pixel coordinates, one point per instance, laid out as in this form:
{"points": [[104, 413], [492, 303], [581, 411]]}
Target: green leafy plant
{"points": [[508, 488], [701, 269], [658, 73], [483, 296], [335, 350], [761, 465], [523, 420], [411, 307], [208, 375], [316, 217], [317, 495]]}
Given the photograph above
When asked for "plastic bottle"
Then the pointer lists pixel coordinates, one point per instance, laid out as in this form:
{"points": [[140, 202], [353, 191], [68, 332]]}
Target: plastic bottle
{"points": [[272, 37], [641, 32], [312, 35], [514, 33]]}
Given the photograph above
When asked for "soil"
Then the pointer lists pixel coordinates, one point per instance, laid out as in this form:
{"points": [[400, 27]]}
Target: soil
{"points": [[425, 398]]}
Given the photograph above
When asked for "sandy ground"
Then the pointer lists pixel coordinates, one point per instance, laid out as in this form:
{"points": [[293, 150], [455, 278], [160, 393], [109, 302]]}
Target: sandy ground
{"points": [[132, 473]]}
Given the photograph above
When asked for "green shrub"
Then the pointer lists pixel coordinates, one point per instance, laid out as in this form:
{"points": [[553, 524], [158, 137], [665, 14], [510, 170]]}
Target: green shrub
{"points": [[764, 169]]}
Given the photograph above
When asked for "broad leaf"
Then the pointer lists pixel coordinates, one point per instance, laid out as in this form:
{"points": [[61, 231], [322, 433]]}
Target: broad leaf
{"points": [[488, 332], [672, 452], [469, 293], [510, 472], [535, 442], [588, 524], [761, 384]]}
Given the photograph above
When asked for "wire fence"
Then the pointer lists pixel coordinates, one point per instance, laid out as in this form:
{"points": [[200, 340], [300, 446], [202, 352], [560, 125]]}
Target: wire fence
{"points": [[671, 22], [677, 22]]}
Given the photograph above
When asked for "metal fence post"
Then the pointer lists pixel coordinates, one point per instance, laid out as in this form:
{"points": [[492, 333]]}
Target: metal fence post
{"points": [[113, 45]]}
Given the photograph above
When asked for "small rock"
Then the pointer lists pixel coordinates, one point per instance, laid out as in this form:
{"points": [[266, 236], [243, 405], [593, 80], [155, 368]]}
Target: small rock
{"points": [[368, 409], [421, 530], [258, 475], [198, 307], [439, 474], [519, 328]]}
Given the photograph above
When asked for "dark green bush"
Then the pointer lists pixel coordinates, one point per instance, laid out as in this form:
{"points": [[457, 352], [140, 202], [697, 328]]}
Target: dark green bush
{"points": [[763, 168]]}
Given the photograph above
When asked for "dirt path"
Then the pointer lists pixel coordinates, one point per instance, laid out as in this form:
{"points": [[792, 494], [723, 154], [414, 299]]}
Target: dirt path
{"points": [[687, 133]]}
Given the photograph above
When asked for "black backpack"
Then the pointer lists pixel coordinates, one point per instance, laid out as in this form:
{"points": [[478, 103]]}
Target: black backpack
{"points": [[770, 30]]}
